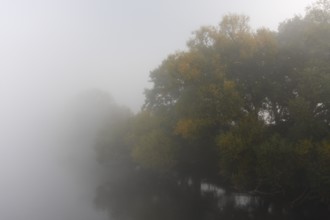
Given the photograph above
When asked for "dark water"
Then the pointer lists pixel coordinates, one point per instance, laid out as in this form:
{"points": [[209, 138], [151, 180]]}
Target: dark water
{"points": [[146, 197]]}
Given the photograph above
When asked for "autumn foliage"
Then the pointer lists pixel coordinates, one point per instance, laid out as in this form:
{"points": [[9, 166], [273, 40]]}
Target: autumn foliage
{"points": [[248, 108]]}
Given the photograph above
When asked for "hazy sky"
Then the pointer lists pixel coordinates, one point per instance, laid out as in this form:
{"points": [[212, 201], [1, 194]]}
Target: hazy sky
{"points": [[57, 48]]}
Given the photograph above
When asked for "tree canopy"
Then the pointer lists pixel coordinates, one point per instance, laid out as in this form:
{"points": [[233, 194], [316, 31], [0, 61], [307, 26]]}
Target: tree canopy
{"points": [[250, 108]]}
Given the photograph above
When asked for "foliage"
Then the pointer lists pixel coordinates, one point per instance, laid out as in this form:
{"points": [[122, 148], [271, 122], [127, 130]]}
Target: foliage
{"points": [[251, 108], [153, 146]]}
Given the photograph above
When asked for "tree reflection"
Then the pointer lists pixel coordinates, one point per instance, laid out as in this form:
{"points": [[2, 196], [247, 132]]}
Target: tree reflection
{"points": [[135, 194]]}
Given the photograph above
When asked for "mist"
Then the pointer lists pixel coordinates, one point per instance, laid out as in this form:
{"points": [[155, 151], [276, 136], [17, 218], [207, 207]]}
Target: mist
{"points": [[53, 53]]}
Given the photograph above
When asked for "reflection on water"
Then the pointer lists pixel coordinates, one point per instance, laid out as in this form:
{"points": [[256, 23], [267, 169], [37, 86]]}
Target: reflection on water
{"points": [[142, 196]]}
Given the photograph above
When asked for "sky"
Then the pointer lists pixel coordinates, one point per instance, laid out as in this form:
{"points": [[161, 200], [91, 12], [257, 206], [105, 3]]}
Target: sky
{"points": [[50, 50]]}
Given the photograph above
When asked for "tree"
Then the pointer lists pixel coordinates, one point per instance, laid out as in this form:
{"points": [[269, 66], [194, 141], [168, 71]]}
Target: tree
{"points": [[250, 108], [251, 97]]}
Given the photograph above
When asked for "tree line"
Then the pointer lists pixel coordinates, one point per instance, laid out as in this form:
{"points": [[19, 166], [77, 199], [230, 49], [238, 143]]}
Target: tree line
{"points": [[242, 107]]}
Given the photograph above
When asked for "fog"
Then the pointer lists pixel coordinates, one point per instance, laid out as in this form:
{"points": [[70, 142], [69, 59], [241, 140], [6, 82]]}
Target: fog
{"points": [[66, 46], [52, 51]]}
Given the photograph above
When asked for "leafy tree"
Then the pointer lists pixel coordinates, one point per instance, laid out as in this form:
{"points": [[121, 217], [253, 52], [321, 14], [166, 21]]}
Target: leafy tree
{"points": [[249, 107]]}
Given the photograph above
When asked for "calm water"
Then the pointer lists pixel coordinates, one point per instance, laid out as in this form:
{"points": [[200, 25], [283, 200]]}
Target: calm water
{"points": [[143, 197]]}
